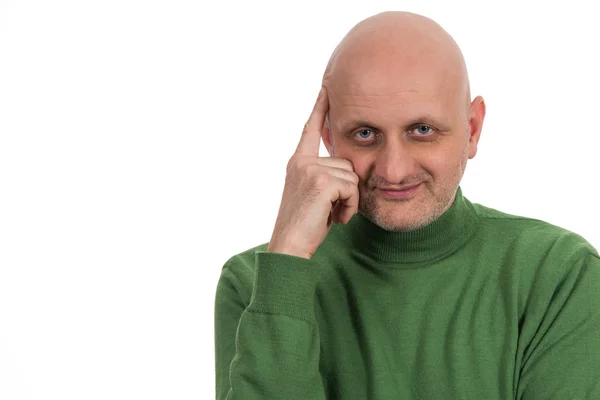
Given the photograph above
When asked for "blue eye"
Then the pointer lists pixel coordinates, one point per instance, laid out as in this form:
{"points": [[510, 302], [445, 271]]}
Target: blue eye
{"points": [[422, 131], [360, 135]]}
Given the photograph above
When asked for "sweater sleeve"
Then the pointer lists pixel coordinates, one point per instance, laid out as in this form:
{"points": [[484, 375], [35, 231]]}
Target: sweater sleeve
{"points": [[562, 361], [267, 347]]}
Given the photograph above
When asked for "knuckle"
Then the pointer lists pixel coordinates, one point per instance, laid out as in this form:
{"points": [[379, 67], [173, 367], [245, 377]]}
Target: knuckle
{"points": [[347, 164], [322, 180], [306, 128], [312, 169], [353, 177], [294, 163], [350, 186], [291, 164]]}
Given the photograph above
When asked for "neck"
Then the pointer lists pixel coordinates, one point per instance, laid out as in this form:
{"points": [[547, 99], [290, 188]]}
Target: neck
{"points": [[432, 242]]}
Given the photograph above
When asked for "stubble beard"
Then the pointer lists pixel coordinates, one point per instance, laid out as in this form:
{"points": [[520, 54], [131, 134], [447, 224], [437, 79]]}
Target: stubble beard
{"points": [[399, 215]]}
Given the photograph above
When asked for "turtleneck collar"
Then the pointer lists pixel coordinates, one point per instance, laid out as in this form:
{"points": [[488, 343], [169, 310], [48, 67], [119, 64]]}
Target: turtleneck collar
{"points": [[435, 241]]}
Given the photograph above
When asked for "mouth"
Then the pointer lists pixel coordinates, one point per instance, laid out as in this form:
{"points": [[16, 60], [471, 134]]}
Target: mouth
{"points": [[405, 192]]}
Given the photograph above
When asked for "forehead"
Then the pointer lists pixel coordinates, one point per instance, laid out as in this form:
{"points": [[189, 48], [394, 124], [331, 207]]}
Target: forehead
{"points": [[382, 83], [392, 104]]}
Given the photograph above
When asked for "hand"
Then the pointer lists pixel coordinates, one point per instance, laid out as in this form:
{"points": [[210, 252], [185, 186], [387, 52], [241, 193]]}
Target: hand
{"points": [[317, 192]]}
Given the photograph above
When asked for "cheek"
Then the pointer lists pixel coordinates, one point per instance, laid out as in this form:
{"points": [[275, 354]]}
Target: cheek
{"points": [[446, 159], [451, 161]]}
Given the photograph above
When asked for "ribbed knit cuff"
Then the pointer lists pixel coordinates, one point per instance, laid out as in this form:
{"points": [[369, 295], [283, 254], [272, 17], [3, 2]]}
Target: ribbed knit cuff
{"points": [[284, 284]]}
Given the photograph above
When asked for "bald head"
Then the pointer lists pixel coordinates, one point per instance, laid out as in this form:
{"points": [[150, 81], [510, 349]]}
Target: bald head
{"points": [[398, 52], [400, 111]]}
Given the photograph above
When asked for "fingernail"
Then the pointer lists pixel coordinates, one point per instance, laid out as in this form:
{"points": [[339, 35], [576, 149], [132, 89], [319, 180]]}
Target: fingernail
{"points": [[321, 92]]}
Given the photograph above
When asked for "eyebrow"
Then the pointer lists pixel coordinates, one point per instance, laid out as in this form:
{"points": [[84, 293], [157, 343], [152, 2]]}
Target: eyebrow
{"points": [[424, 119]]}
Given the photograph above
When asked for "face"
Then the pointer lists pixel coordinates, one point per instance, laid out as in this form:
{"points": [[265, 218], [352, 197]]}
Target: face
{"points": [[398, 135]]}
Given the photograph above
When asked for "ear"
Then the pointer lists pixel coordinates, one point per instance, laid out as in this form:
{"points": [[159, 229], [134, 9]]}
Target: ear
{"points": [[326, 136], [477, 111]]}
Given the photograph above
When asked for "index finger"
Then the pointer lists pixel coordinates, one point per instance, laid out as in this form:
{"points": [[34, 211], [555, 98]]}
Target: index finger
{"points": [[311, 134]]}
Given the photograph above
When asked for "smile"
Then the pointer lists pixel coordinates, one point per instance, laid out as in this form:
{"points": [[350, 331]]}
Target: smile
{"points": [[406, 193]]}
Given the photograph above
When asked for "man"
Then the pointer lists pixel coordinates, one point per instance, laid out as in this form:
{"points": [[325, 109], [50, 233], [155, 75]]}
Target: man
{"points": [[381, 280]]}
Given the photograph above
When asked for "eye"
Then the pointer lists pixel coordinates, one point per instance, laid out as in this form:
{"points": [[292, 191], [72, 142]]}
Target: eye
{"points": [[364, 134], [423, 130]]}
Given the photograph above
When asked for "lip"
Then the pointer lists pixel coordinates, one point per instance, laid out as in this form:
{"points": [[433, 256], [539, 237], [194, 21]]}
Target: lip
{"points": [[405, 193]]}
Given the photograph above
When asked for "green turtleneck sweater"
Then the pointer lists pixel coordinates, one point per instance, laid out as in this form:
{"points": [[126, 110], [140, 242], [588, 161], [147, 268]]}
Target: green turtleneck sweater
{"points": [[477, 305]]}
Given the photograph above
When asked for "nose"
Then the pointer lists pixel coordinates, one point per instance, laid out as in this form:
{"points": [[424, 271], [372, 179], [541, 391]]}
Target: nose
{"points": [[394, 162]]}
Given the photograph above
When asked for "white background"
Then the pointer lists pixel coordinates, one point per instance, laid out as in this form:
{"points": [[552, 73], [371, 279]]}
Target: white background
{"points": [[143, 143]]}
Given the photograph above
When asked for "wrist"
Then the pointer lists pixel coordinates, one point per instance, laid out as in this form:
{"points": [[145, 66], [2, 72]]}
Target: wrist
{"points": [[286, 249]]}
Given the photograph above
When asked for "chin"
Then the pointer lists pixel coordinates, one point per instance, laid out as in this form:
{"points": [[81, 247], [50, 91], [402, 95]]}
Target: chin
{"points": [[401, 224], [398, 219], [406, 215]]}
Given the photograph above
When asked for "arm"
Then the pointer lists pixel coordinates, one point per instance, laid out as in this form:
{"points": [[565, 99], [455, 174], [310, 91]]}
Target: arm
{"points": [[269, 348], [562, 361]]}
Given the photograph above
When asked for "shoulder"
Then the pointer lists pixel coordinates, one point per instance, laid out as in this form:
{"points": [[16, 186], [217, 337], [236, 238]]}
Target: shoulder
{"points": [[548, 262], [540, 254], [534, 234]]}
